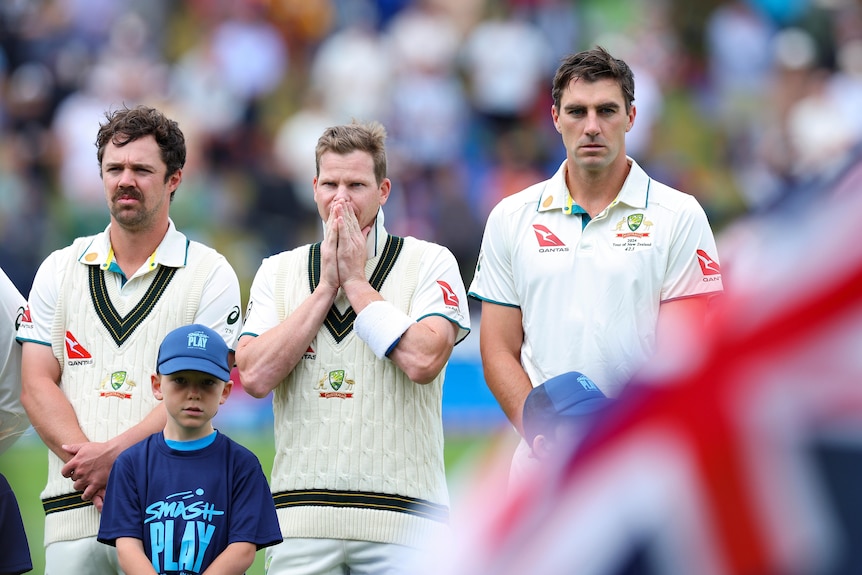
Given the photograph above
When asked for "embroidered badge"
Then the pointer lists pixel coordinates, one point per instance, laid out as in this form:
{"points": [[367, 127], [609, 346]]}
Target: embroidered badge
{"points": [[632, 233], [117, 384], [334, 380]]}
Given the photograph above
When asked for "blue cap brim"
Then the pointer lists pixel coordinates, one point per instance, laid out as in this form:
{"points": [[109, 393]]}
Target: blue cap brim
{"points": [[194, 364]]}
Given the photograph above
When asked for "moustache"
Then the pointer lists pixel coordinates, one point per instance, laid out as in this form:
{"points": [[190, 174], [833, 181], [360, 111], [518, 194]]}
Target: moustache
{"points": [[132, 193]]}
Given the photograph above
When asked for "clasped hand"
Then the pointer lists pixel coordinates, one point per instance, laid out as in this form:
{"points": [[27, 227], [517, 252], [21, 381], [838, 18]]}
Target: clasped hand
{"points": [[89, 468], [343, 253]]}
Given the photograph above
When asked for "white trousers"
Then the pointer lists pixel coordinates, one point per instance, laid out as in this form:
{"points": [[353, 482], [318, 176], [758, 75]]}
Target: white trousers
{"points": [[82, 557], [295, 556]]}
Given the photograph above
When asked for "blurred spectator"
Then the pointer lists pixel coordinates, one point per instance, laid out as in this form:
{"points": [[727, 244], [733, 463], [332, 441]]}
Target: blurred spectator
{"points": [[428, 115], [294, 143], [125, 71], [508, 63], [515, 164], [352, 72], [560, 22], [248, 51]]}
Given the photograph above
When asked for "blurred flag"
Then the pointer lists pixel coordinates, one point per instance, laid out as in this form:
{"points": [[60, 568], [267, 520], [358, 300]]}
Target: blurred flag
{"points": [[742, 459]]}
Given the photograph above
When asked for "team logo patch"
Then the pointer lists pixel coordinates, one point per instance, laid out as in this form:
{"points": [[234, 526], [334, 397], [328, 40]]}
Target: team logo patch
{"points": [[117, 384], [632, 233], [449, 297], [587, 383], [708, 266], [335, 380], [118, 378], [76, 354], [197, 339]]}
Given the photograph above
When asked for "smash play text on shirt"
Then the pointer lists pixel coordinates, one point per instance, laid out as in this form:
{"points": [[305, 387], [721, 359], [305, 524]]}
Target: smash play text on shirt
{"points": [[187, 505]]}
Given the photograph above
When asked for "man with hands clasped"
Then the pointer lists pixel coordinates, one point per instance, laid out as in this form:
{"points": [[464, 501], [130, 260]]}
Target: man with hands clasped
{"points": [[352, 335], [96, 313]]}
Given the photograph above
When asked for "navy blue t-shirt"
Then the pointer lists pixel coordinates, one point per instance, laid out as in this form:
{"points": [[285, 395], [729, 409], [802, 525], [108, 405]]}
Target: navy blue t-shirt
{"points": [[15, 557], [188, 506]]}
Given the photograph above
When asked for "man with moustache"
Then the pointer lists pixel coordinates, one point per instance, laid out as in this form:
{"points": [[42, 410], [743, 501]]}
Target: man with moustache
{"points": [[97, 311]]}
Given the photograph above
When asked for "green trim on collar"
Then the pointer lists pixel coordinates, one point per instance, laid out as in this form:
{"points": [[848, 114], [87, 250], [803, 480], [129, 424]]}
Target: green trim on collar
{"points": [[121, 328]]}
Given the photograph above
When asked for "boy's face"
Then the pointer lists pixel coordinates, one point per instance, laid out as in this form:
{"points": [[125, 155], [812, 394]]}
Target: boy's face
{"points": [[192, 399]]}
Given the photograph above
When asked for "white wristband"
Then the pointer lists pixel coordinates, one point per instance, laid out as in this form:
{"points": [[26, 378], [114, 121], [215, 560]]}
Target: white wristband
{"points": [[381, 326]]}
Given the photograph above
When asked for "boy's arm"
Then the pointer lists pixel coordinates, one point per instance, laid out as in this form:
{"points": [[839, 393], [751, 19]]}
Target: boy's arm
{"points": [[133, 560], [234, 560]]}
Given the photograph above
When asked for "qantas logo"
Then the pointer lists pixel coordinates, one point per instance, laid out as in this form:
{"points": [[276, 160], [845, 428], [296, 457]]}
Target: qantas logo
{"points": [[546, 237], [708, 266], [74, 349], [309, 353], [449, 297]]}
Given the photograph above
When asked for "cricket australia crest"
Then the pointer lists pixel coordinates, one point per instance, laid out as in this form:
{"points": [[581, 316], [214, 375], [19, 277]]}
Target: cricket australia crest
{"points": [[637, 237], [335, 380], [117, 384]]}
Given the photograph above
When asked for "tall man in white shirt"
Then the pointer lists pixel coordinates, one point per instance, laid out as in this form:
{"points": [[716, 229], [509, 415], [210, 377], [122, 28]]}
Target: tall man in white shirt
{"points": [[592, 269]]}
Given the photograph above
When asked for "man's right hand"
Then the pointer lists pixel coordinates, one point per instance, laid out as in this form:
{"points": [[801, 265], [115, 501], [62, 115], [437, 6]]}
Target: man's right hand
{"points": [[329, 278]]}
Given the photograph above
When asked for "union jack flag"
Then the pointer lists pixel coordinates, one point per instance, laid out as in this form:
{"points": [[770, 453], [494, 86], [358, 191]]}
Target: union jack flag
{"points": [[723, 462]]}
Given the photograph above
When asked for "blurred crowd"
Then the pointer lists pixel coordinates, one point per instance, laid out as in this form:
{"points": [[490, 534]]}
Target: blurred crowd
{"points": [[737, 100]]}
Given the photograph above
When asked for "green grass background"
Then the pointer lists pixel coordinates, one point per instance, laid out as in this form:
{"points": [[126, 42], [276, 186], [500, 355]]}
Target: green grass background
{"points": [[25, 465]]}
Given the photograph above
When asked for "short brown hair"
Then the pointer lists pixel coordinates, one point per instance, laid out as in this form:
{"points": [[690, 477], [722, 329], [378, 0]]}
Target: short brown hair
{"points": [[129, 124], [357, 136], [591, 66]]}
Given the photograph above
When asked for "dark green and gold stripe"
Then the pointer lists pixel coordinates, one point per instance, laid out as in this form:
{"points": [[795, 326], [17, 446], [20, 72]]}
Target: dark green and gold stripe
{"points": [[363, 500], [121, 328], [65, 502]]}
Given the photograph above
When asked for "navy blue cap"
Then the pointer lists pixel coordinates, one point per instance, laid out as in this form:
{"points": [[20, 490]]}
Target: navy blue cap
{"points": [[574, 393], [194, 347]]}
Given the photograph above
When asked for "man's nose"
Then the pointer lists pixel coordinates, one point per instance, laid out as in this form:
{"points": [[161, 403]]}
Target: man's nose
{"points": [[127, 178], [592, 124]]}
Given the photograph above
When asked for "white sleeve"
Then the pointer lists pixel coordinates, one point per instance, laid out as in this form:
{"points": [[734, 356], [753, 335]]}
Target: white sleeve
{"points": [[440, 290], [493, 279], [692, 267], [220, 305], [13, 419], [42, 302], [261, 314]]}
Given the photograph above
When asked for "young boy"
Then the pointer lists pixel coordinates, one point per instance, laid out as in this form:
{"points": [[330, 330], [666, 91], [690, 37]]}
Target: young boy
{"points": [[189, 500], [557, 412]]}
